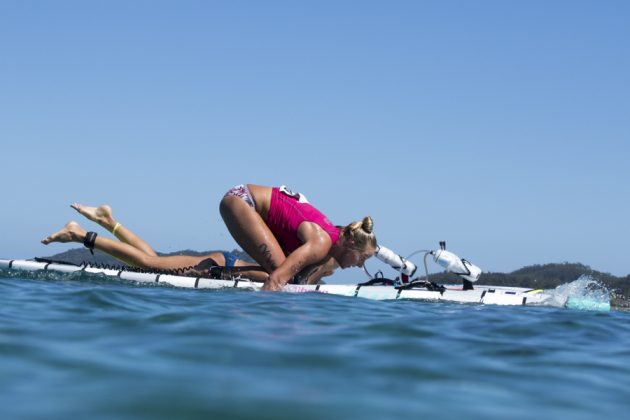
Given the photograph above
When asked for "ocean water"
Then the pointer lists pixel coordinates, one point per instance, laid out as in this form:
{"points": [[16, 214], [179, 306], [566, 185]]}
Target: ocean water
{"points": [[79, 346]]}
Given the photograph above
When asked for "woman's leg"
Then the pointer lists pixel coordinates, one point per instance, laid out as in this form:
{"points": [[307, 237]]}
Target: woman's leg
{"points": [[198, 266], [250, 231], [131, 255], [103, 216]]}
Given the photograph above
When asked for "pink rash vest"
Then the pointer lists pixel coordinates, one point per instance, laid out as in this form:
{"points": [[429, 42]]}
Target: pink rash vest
{"points": [[287, 211]]}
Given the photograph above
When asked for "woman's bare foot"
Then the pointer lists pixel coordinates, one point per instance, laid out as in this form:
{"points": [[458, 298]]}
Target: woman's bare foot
{"points": [[101, 215], [71, 232]]}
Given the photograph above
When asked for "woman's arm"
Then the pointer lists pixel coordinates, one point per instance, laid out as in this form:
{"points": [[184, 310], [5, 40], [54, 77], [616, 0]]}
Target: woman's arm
{"points": [[315, 248], [323, 270]]}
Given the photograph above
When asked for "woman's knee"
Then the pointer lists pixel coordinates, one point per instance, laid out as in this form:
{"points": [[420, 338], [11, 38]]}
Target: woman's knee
{"points": [[228, 206]]}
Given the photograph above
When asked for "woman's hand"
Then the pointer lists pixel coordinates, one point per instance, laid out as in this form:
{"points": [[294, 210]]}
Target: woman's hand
{"points": [[273, 284]]}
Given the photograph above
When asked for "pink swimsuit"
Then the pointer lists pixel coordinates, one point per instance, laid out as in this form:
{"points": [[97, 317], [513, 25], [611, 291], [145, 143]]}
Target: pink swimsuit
{"points": [[286, 213]]}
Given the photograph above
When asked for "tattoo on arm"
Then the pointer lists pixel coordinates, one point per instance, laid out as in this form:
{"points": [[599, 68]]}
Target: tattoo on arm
{"points": [[264, 250]]}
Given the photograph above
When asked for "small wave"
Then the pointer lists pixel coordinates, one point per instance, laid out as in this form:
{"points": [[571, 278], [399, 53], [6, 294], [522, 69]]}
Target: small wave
{"points": [[584, 293]]}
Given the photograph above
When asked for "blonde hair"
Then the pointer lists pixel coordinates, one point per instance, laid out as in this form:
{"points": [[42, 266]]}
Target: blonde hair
{"points": [[361, 233]]}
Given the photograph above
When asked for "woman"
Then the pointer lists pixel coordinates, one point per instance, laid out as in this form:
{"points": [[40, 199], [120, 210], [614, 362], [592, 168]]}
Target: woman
{"points": [[287, 236], [134, 251]]}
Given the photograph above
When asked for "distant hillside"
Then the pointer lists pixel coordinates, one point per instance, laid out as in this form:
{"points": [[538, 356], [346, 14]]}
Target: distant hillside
{"points": [[547, 276]]}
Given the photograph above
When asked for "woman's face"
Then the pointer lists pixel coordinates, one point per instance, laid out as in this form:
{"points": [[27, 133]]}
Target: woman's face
{"points": [[352, 257]]}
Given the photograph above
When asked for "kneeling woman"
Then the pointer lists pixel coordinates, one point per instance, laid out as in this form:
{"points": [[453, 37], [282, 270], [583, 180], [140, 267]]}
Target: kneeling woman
{"points": [[289, 237], [286, 235]]}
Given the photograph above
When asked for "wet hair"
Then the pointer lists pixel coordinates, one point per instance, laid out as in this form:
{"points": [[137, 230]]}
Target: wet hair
{"points": [[361, 233]]}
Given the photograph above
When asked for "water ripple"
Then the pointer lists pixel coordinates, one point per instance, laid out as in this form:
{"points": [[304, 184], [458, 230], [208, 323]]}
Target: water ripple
{"points": [[82, 346]]}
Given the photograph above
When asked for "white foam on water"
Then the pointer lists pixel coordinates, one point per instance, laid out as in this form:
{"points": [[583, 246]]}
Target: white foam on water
{"points": [[586, 291]]}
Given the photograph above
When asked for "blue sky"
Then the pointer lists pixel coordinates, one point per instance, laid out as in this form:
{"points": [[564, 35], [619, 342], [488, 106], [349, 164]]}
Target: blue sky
{"points": [[499, 127]]}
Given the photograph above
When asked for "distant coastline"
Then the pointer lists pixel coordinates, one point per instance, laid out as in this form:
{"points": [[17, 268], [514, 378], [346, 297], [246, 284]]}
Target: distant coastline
{"points": [[545, 276]]}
